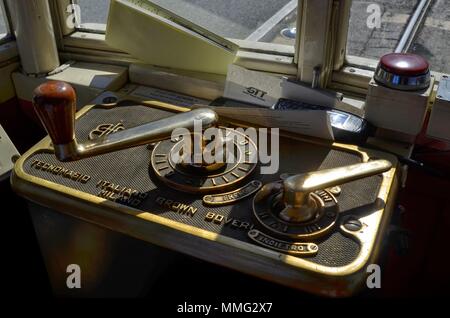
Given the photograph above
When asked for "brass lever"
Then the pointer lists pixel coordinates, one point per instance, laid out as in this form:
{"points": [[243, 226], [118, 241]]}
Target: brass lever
{"points": [[54, 103], [299, 204]]}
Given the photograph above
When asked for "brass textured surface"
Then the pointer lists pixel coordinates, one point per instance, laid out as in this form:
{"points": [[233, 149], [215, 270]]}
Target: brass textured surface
{"points": [[267, 214], [229, 176], [130, 169]]}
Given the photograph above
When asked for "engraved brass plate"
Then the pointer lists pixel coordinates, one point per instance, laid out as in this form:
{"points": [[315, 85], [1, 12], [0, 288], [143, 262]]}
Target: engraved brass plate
{"points": [[222, 234], [210, 181], [266, 214], [297, 248], [105, 129], [233, 196]]}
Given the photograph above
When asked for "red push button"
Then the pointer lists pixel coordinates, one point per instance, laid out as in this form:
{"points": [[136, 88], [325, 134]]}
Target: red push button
{"points": [[404, 64], [403, 71]]}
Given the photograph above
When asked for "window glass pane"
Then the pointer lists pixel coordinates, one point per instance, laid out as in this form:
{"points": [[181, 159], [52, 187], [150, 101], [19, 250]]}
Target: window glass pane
{"points": [[376, 26], [94, 14], [3, 29], [254, 20], [433, 39]]}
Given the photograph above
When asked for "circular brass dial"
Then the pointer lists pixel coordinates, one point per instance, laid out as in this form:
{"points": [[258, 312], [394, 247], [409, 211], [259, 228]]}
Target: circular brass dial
{"points": [[267, 206], [195, 180]]}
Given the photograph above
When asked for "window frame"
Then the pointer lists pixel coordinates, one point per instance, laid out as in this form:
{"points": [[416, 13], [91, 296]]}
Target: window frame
{"points": [[274, 58], [352, 74], [346, 73], [5, 16], [8, 47]]}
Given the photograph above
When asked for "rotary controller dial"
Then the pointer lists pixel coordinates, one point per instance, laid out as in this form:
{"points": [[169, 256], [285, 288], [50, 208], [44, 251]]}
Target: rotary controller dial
{"points": [[302, 206], [198, 179]]}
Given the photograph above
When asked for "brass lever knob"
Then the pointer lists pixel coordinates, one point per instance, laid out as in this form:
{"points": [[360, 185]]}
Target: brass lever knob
{"points": [[54, 103], [301, 207]]}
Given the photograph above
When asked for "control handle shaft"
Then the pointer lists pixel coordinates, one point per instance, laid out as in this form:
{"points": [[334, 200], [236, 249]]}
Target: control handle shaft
{"points": [[299, 205], [55, 105]]}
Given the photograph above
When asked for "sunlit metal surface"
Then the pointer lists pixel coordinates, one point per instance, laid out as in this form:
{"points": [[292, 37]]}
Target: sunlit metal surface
{"points": [[300, 206], [289, 33]]}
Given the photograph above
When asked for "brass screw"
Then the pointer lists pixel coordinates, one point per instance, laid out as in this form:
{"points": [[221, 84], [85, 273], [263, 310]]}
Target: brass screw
{"points": [[352, 224], [109, 100]]}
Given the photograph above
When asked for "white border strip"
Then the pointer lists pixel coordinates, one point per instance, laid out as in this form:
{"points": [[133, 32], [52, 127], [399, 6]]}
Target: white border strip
{"points": [[260, 32]]}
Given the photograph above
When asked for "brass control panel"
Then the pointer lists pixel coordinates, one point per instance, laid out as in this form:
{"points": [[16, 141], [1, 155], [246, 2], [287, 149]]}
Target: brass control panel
{"points": [[315, 224]]}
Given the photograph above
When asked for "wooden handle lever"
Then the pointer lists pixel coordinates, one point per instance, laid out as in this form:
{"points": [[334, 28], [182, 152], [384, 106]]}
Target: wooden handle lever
{"points": [[55, 104]]}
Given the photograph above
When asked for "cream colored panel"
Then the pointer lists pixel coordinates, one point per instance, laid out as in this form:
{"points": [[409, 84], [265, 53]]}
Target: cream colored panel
{"points": [[33, 29], [89, 80], [25, 86], [6, 85], [100, 76], [155, 40], [200, 85], [8, 152]]}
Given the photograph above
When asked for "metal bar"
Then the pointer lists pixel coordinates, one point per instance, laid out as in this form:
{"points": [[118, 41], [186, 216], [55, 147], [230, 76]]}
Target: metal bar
{"points": [[314, 39], [412, 27], [141, 135], [8, 24], [265, 28], [297, 189], [5, 16]]}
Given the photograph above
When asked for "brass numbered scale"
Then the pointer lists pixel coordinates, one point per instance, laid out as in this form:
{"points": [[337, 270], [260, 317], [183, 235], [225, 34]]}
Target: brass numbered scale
{"points": [[290, 227], [204, 177]]}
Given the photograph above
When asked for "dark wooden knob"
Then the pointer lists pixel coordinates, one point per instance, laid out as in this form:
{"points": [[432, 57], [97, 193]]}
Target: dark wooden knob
{"points": [[55, 105]]}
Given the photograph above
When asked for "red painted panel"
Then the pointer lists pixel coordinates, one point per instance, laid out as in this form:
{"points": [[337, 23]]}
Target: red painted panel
{"points": [[19, 125]]}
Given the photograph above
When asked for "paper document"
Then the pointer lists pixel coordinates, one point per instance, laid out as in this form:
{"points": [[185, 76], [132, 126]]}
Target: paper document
{"points": [[252, 87], [155, 36], [305, 122], [304, 93], [164, 96]]}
